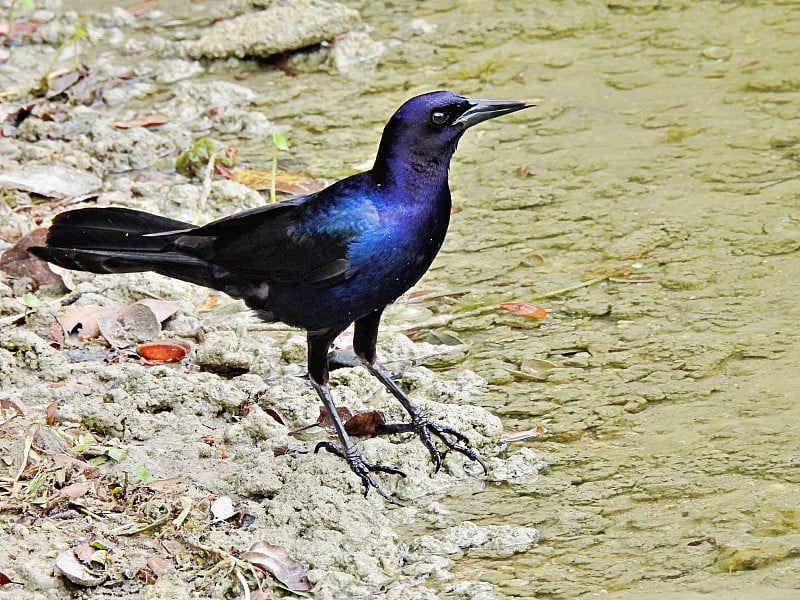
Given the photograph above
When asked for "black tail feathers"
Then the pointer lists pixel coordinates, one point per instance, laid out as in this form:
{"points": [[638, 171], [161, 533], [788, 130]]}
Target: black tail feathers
{"points": [[114, 240]]}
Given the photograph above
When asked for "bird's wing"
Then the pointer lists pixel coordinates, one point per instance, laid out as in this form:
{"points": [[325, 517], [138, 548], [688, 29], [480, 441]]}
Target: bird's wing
{"points": [[304, 240]]}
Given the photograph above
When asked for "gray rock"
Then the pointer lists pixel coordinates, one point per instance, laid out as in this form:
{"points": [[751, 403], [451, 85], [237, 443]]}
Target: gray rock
{"points": [[278, 28]]}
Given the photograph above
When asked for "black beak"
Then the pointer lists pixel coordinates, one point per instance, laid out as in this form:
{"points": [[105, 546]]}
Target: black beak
{"points": [[483, 110]]}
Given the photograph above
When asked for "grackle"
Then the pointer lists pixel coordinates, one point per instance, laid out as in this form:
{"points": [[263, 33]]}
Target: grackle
{"points": [[319, 262]]}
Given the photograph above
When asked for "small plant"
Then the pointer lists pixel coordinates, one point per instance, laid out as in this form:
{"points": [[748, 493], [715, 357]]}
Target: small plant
{"points": [[31, 303], [281, 145], [194, 161], [78, 35], [143, 475]]}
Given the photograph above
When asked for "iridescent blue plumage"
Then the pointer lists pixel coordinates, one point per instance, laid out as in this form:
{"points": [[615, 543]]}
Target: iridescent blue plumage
{"points": [[320, 262]]}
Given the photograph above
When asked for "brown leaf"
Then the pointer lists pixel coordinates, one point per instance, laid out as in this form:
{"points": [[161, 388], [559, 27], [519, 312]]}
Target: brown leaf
{"points": [[289, 183], [86, 316], [75, 491], [162, 309], [158, 564], [133, 324], [324, 419], [83, 552], [21, 28], [16, 260], [84, 390], [137, 322], [5, 580], [164, 352], [7, 407], [69, 566], [207, 304], [152, 120], [142, 7], [275, 415], [365, 423], [50, 413], [520, 436], [525, 310], [276, 561]]}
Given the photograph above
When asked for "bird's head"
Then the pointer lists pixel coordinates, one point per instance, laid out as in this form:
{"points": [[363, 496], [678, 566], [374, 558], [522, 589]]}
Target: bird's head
{"points": [[424, 132]]}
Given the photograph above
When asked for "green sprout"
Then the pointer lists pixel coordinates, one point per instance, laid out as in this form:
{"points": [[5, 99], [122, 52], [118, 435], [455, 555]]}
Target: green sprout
{"points": [[281, 145], [143, 474], [78, 35], [31, 303]]}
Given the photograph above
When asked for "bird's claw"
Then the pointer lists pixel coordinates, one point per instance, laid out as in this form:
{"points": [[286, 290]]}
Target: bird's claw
{"points": [[362, 468], [423, 426]]}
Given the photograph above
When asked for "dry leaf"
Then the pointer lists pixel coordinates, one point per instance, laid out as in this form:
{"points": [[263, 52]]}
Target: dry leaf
{"points": [[138, 322], [50, 413], [298, 184], [83, 552], [275, 415], [520, 436], [163, 352], [222, 508], [276, 561], [153, 120], [368, 422], [75, 490], [158, 564], [324, 419], [208, 303], [365, 423], [142, 7], [16, 260], [525, 310], [86, 316], [5, 580], [9, 410], [69, 566], [84, 390], [162, 309]]}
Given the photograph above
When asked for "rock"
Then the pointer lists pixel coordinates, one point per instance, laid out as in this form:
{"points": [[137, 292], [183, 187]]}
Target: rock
{"points": [[278, 28], [51, 181]]}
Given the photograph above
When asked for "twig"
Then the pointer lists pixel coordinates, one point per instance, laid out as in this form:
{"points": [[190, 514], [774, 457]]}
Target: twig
{"points": [[205, 191], [571, 288]]}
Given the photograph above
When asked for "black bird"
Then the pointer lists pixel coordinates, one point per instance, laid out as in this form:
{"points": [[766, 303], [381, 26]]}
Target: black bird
{"points": [[319, 262]]}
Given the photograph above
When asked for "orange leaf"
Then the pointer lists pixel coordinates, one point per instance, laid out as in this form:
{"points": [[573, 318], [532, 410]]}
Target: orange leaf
{"points": [[50, 412], [153, 120], [207, 304], [289, 183], [525, 310], [163, 351], [75, 490]]}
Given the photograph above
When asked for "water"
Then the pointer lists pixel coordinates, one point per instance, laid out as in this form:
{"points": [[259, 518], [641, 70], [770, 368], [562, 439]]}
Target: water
{"points": [[662, 160]]}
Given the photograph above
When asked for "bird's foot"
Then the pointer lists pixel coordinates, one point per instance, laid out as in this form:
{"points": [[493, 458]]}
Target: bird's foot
{"points": [[361, 467], [451, 437]]}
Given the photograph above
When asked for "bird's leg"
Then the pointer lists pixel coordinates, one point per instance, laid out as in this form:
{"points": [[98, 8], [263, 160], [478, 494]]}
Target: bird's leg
{"points": [[364, 343], [318, 345]]}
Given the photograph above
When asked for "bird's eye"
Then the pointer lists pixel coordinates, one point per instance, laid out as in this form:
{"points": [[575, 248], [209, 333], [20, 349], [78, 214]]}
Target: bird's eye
{"points": [[439, 117]]}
